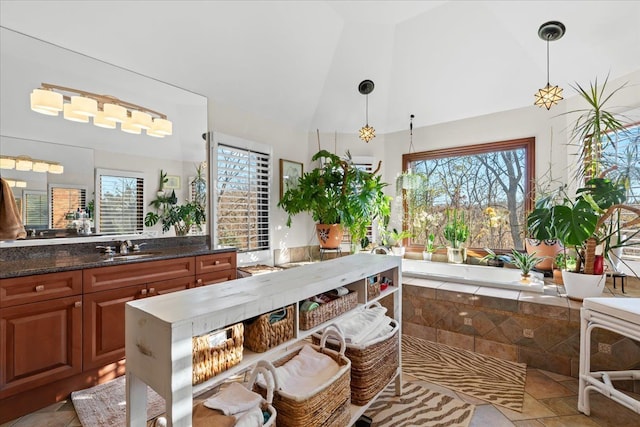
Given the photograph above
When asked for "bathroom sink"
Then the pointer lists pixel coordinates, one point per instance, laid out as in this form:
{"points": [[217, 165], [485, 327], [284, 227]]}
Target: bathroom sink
{"points": [[132, 256]]}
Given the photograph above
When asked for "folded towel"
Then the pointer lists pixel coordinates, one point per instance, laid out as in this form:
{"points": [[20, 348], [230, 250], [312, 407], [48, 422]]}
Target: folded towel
{"points": [[309, 306], [251, 418], [305, 372], [277, 316], [11, 226], [233, 399], [384, 329], [361, 323]]}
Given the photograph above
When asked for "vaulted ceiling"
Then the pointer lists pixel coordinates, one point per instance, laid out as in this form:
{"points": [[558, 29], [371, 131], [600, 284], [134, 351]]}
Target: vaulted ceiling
{"points": [[299, 62]]}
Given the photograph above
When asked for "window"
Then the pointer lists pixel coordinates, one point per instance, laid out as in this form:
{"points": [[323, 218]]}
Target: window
{"points": [[35, 209], [66, 200], [488, 182], [119, 202], [243, 198], [626, 157], [367, 164]]}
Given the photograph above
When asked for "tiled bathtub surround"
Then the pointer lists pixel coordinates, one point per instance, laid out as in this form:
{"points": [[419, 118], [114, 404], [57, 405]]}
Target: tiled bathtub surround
{"points": [[541, 330]]}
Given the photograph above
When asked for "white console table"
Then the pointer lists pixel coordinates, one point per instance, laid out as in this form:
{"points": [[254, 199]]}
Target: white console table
{"points": [[620, 315], [159, 330]]}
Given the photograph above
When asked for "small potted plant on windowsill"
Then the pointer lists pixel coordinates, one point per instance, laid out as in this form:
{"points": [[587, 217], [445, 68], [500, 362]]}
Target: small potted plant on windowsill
{"points": [[456, 232], [525, 262], [495, 260], [397, 237], [429, 247]]}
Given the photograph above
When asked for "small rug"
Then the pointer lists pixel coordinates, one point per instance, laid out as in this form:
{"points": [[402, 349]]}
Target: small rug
{"points": [[105, 404], [493, 380], [418, 406]]}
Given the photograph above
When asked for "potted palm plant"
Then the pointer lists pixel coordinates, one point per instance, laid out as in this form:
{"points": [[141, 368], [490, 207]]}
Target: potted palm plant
{"points": [[590, 222], [456, 232], [339, 196]]}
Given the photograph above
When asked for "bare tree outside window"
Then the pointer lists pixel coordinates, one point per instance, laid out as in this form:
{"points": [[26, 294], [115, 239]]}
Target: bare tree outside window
{"points": [[490, 183]]}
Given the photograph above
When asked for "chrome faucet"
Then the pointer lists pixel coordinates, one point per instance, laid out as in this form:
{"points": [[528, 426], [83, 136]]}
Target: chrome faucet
{"points": [[107, 250], [124, 246]]}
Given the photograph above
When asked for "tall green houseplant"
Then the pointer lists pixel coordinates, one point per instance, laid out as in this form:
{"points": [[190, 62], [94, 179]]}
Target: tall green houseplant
{"points": [[338, 192]]}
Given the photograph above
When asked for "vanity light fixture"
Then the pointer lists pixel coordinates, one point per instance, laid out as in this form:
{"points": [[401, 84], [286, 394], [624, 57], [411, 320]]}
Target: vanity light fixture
{"points": [[549, 95], [25, 163], [106, 111], [367, 133], [14, 183]]}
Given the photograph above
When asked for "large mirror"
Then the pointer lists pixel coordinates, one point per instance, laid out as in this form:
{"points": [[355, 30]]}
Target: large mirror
{"points": [[51, 204]]}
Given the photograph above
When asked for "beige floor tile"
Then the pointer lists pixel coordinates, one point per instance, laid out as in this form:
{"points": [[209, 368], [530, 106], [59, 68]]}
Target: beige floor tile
{"points": [[571, 384], [562, 406], [539, 386], [528, 423], [488, 415], [552, 375], [532, 409], [569, 421]]}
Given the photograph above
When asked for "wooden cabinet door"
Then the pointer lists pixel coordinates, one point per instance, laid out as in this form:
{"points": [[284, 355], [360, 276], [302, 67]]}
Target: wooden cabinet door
{"points": [[103, 317], [41, 343]]}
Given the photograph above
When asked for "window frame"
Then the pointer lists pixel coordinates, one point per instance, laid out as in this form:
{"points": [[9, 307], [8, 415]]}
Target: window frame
{"points": [[265, 198], [99, 172], [528, 144]]}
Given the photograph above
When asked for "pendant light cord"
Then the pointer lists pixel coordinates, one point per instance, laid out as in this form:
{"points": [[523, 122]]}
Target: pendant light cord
{"points": [[548, 36], [411, 148]]}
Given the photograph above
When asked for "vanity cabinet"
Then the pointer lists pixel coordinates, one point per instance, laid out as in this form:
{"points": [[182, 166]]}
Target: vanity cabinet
{"points": [[40, 330], [108, 289], [65, 331]]}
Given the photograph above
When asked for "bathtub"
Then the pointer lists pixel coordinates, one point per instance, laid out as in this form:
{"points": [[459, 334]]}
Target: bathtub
{"points": [[494, 277]]}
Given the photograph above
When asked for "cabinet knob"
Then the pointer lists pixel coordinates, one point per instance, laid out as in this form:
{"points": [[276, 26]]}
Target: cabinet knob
{"points": [[143, 292], [39, 288], [152, 291], [199, 282], [216, 262], [77, 304]]}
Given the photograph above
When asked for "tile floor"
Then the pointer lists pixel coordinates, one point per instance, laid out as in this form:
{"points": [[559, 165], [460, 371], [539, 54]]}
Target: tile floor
{"points": [[550, 400]]}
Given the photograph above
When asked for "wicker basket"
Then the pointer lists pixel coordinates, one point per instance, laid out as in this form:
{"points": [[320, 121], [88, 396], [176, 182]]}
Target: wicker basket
{"points": [[373, 287], [216, 352], [328, 311], [373, 365], [327, 406], [260, 335]]}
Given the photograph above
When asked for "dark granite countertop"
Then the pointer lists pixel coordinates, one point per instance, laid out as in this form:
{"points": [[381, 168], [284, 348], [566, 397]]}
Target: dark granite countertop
{"points": [[65, 262]]}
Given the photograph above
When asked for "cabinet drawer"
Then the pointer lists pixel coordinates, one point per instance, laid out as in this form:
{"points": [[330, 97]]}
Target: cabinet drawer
{"points": [[215, 262], [139, 273], [21, 290], [168, 286], [217, 277], [41, 343]]}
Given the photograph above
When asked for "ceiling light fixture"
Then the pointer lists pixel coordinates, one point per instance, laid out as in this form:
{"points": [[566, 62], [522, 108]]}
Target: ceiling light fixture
{"points": [[27, 164], [14, 183], [367, 133], [107, 111], [549, 95]]}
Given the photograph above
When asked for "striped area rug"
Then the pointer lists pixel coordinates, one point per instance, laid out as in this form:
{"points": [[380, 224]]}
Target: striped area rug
{"points": [[418, 406], [493, 380]]}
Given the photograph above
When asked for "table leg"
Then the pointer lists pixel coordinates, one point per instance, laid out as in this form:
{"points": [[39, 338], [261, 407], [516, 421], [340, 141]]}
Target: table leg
{"points": [[137, 398], [585, 362]]}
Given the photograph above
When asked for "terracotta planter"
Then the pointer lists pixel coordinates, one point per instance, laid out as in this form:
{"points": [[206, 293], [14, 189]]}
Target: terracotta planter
{"points": [[543, 248], [557, 277], [329, 235], [580, 286]]}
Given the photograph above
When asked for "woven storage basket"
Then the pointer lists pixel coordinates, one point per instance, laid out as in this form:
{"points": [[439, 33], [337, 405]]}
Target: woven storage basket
{"points": [[209, 359], [260, 335], [373, 286], [373, 365], [326, 406], [328, 311]]}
